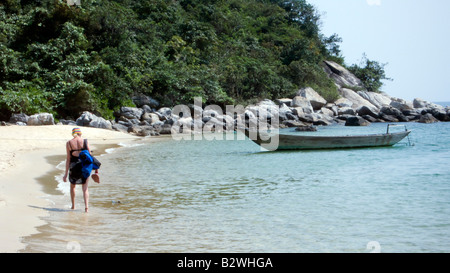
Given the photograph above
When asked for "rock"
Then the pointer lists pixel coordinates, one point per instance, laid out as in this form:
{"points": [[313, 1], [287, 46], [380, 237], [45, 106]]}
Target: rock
{"points": [[346, 111], [147, 109], [391, 111], [19, 118], [286, 113], [306, 128], [343, 102], [264, 111], [154, 118], [419, 103], [356, 121], [335, 110], [314, 98], [210, 113], [377, 99], [228, 122], [164, 113], [316, 119], [401, 104], [88, 119], [428, 118], [304, 103], [370, 118], [388, 118], [120, 127], [280, 102], [266, 102], [196, 110], [413, 114], [67, 122], [440, 114], [140, 100], [341, 76], [147, 117], [41, 119], [165, 129], [293, 123], [364, 110], [131, 112], [327, 112], [357, 100]]}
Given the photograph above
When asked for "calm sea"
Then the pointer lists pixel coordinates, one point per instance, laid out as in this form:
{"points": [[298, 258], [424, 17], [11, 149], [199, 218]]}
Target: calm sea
{"points": [[229, 196]]}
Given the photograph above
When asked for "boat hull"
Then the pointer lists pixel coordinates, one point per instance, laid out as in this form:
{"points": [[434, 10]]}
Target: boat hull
{"points": [[302, 142]]}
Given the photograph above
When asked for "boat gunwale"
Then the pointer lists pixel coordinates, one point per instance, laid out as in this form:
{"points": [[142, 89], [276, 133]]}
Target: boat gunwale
{"points": [[346, 136]]}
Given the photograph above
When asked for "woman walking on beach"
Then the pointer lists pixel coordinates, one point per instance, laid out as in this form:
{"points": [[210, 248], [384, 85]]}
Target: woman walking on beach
{"points": [[73, 166]]}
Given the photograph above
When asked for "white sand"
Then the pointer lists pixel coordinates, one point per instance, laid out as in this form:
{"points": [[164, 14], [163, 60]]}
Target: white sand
{"points": [[23, 152]]}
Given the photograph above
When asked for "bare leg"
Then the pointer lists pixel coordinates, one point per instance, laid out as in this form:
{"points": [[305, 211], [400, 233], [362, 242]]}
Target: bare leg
{"points": [[86, 195], [72, 194]]}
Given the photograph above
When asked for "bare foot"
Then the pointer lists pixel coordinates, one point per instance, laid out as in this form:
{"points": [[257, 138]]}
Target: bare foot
{"points": [[86, 209]]}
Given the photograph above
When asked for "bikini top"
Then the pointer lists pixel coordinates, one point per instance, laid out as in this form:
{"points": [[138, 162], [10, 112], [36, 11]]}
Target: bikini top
{"points": [[77, 150]]}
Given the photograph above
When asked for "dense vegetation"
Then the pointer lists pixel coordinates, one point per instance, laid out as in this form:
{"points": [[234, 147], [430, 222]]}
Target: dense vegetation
{"points": [[67, 59]]}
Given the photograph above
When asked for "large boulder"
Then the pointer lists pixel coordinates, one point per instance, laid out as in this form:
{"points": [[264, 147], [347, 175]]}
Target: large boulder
{"points": [[394, 112], [303, 103], [282, 101], [420, 103], [377, 99], [356, 121], [286, 113], [343, 102], [402, 104], [341, 76], [316, 100], [131, 112], [367, 111], [164, 113], [88, 119], [428, 118], [23, 118], [357, 100], [41, 119]]}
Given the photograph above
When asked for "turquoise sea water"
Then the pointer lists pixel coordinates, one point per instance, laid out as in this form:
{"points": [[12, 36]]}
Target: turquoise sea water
{"points": [[229, 196]]}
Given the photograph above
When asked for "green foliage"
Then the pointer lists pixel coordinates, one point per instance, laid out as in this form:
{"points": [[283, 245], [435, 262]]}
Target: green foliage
{"points": [[95, 57], [26, 97], [371, 73]]}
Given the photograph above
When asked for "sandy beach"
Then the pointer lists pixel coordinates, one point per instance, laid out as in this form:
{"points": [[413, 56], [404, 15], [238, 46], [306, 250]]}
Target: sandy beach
{"points": [[23, 153]]}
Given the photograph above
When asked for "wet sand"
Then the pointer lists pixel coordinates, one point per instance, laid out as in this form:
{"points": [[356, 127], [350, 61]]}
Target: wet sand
{"points": [[27, 155]]}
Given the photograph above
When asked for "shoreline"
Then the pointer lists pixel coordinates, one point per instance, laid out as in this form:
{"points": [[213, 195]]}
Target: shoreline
{"points": [[25, 153]]}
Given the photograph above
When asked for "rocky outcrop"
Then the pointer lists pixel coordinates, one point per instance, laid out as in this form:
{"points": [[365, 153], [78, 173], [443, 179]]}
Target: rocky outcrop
{"points": [[41, 119], [88, 119], [33, 120], [341, 76], [376, 99], [356, 121], [316, 101], [304, 111]]}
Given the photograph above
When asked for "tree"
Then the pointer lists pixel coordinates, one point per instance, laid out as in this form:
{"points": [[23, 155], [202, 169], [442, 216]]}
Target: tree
{"points": [[371, 73]]}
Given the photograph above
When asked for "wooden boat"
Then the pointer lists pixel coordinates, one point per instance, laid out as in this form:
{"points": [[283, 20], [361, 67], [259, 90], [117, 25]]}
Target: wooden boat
{"points": [[311, 142]]}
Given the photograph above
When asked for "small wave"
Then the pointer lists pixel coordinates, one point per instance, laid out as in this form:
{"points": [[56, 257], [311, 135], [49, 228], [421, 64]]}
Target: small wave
{"points": [[62, 186], [125, 145], [61, 166], [130, 144], [110, 150]]}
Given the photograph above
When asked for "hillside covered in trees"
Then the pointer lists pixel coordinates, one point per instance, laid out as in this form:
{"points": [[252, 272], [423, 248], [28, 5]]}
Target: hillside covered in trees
{"points": [[94, 57]]}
